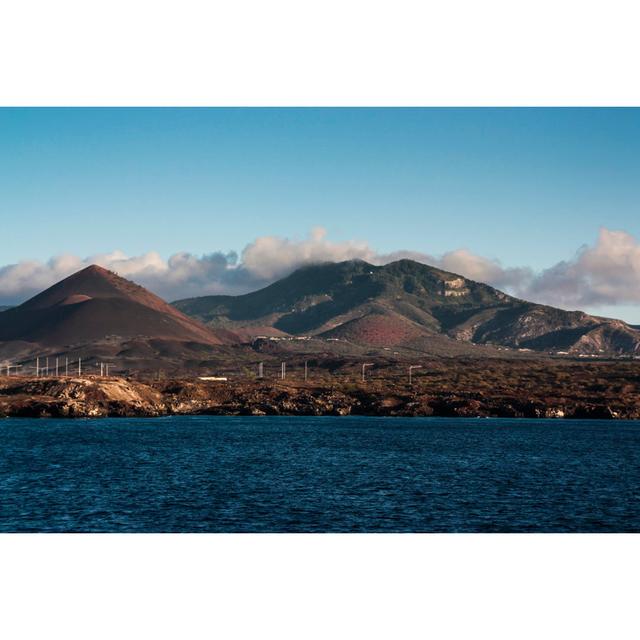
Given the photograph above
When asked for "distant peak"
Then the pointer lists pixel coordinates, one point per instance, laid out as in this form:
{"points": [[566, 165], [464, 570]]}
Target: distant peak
{"points": [[409, 262], [96, 272], [95, 268]]}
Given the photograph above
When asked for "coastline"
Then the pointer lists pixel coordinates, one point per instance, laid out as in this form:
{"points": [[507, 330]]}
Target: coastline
{"points": [[95, 397]]}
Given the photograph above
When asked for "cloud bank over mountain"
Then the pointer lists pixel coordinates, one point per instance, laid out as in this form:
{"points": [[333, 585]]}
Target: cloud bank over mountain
{"points": [[606, 273]]}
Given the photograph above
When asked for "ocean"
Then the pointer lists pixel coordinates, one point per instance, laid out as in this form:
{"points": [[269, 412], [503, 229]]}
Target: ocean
{"points": [[307, 474]]}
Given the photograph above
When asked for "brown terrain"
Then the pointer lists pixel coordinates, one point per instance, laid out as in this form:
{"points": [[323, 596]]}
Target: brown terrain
{"points": [[467, 388], [96, 313]]}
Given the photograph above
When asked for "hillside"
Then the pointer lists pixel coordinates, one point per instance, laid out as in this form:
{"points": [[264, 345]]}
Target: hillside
{"points": [[408, 304], [96, 311]]}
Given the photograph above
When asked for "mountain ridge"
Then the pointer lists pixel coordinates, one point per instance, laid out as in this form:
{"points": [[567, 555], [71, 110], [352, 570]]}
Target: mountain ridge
{"points": [[406, 303]]}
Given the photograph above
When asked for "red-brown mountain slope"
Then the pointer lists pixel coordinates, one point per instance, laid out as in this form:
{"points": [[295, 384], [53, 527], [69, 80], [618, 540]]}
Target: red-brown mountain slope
{"points": [[95, 304]]}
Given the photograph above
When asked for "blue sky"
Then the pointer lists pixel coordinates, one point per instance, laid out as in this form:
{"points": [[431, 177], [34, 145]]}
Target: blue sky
{"points": [[527, 187]]}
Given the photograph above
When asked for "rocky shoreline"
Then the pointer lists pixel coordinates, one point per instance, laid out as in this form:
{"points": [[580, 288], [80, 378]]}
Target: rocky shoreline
{"points": [[120, 397]]}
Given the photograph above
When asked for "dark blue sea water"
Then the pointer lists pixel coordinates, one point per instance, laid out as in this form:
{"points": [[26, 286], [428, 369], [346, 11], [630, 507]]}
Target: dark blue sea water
{"points": [[239, 474]]}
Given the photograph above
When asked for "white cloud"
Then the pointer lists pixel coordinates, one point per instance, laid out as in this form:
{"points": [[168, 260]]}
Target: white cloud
{"points": [[604, 274], [607, 273], [271, 257], [183, 274]]}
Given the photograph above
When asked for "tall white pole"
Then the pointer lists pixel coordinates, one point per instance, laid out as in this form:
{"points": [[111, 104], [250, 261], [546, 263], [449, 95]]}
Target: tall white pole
{"points": [[38, 367], [56, 367], [66, 366], [79, 367]]}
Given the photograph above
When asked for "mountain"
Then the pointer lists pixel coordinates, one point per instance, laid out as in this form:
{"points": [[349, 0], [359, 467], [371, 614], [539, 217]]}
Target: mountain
{"points": [[96, 310], [406, 303]]}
